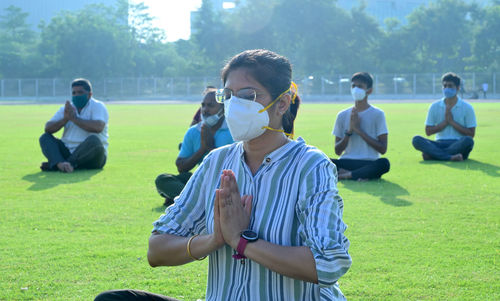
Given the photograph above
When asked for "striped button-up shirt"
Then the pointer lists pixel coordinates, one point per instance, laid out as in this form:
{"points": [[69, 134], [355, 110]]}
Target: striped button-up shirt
{"points": [[295, 202]]}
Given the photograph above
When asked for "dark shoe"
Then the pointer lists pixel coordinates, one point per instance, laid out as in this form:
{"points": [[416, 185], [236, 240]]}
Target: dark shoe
{"points": [[168, 202], [426, 157], [45, 166]]}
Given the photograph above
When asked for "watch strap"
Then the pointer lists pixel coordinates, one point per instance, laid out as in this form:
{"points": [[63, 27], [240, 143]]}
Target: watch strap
{"points": [[240, 249]]}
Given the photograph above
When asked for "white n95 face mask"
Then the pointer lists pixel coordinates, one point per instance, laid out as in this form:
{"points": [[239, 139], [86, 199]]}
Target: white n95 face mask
{"points": [[244, 120], [358, 93], [212, 119]]}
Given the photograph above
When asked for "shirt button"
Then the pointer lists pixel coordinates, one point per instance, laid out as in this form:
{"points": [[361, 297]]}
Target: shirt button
{"points": [[268, 160]]}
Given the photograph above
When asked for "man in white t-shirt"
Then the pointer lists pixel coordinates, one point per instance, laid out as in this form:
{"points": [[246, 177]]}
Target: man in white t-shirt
{"points": [[84, 142], [361, 135]]}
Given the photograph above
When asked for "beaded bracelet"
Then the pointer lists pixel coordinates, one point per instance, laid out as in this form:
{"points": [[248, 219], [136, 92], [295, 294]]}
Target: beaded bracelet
{"points": [[188, 247]]}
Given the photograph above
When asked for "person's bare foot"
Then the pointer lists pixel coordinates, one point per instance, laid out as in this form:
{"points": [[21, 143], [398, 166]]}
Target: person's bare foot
{"points": [[344, 174], [457, 157], [65, 167]]}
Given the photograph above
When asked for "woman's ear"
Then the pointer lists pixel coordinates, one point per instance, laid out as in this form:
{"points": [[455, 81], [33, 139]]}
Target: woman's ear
{"points": [[284, 104]]}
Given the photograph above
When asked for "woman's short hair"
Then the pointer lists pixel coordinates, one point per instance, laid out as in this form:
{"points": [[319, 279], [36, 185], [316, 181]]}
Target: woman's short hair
{"points": [[272, 71]]}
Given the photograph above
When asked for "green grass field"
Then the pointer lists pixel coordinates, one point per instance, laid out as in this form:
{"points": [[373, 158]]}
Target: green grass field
{"points": [[426, 231]]}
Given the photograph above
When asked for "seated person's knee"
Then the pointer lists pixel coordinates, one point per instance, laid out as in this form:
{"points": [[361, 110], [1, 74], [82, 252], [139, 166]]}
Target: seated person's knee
{"points": [[44, 137], [384, 165], [468, 141], [161, 179], [94, 139], [416, 139]]}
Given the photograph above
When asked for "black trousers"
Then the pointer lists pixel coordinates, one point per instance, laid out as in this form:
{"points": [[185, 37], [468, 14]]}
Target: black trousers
{"points": [[90, 154], [123, 295], [170, 186], [364, 169]]}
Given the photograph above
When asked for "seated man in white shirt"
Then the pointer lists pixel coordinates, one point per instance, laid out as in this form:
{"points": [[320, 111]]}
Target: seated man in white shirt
{"points": [[361, 135], [84, 142]]}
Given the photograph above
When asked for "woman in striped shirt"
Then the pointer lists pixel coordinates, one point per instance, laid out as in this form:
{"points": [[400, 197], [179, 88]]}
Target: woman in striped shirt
{"points": [[266, 209]]}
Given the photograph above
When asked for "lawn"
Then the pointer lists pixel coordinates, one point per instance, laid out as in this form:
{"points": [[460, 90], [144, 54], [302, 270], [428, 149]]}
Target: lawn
{"points": [[426, 231]]}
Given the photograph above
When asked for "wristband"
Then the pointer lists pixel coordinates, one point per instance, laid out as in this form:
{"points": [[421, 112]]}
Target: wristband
{"points": [[246, 236], [240, 249]]}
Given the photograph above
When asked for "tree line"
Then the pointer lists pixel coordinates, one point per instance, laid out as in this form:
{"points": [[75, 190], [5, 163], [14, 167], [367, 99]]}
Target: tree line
{"points": [[316, 35]]}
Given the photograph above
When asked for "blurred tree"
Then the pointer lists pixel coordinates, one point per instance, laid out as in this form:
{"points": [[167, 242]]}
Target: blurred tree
{"points": [[318, 37], [395, 53], [309, 32], [365, 36], [17, 57], [192, 61], [101, 41], [487, 39], [252, 27], [441, 35], [210, 35], [141, 24], [91, 42], [13, 24]]}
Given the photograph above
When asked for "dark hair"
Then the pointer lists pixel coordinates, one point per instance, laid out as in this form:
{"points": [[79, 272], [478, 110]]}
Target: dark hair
{"points": [[82, 82], [451, 77], [363, 77], [209, 93], [272, 71], [209, 89]]}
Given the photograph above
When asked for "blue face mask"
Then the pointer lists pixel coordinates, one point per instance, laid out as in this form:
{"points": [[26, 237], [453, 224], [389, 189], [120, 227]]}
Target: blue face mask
{"points": [[449, 92], [80, 100]]}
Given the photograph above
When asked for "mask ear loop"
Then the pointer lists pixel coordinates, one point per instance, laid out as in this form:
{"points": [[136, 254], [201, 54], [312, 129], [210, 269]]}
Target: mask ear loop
{"points": [[220, 113], [275, 100], [293, 89]]}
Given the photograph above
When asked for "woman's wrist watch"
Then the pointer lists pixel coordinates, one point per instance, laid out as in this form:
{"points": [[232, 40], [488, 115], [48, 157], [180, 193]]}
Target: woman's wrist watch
{"points": [[246, 236]]}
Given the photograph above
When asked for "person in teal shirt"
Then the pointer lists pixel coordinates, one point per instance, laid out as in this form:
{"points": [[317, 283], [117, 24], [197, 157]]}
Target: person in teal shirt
{"points": [[212, 132], [454, 123]]}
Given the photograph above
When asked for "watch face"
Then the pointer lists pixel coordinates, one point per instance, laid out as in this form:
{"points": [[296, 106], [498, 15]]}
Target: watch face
{"points": [[249, 235]]}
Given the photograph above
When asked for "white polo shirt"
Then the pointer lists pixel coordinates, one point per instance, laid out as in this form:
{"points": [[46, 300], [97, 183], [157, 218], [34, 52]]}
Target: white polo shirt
{"points": [[73, 135]]}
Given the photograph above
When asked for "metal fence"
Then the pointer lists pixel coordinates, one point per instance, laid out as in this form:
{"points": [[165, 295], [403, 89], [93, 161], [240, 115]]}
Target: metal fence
{"points": [[405, 86], [391, 86]]}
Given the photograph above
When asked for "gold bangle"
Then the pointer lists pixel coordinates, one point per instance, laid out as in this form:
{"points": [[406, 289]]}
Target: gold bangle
{"points": [[188, 247]]}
